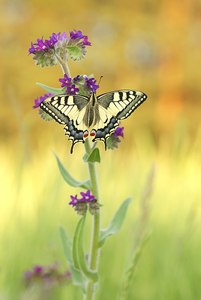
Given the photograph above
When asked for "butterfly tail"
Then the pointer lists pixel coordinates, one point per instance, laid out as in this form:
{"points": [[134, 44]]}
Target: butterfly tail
{"points": [[74, 134]]}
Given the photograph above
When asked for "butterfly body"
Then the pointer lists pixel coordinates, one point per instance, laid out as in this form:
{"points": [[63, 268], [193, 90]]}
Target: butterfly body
{"points": [[97, 116]]}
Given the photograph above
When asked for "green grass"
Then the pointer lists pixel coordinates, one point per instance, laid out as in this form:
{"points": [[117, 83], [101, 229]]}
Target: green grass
{"points": [[34, 203]]}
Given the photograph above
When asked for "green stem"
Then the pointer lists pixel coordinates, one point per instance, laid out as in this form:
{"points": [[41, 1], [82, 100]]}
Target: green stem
{"points": [[94, 250], [64, 65]]}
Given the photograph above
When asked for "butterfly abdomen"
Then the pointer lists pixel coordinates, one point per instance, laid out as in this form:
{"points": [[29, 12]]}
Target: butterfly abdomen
{"points": [[91, 116]]}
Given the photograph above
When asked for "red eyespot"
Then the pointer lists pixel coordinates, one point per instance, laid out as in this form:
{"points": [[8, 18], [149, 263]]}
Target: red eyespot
{"points": [[92, 133], [85, 135]]}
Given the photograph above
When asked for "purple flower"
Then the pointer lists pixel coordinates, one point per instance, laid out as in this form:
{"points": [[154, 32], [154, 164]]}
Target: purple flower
{"points": [[119, 131], [76, 34], [32, 49], [55, 37], [38, 270], [45, 45], [79, 37], [77, 45], [41, 99], [74, 200], [65, 81], [86, 85], [87, 201], [47, 276], [41, 46], [87, 197], [113, 140], [72, 90], [47, 51], [91, 84], [85, 41]]}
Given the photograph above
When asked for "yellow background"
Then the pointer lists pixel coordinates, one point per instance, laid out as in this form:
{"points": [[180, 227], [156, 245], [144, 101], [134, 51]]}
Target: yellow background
{"points": [[151, 46]]}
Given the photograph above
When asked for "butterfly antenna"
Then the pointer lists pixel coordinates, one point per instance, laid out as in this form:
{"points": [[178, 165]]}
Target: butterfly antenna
{"points": [[100, 80]]}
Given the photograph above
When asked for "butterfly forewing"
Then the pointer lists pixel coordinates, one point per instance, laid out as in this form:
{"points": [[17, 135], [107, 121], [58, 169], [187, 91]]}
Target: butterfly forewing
{"points": [[121, 103], [68, 110], [62, 106], [114, 106]]}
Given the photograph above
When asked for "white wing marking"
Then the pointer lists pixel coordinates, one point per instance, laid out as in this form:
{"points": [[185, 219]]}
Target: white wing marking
{"points": [[119, 106], [63, 101], [69, 108], [64, 109], [70, 100], [116, 97], [74, 111], [60, 107]]}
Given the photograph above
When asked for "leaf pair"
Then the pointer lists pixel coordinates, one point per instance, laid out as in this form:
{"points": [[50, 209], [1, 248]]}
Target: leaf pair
{"points": [[116, 223], [74, 251], [75, 256], [78, 252], [77, 278]]}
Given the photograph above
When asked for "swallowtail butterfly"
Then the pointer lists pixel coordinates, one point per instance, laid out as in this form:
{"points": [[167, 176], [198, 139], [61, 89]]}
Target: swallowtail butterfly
{"points": [[95, 116]]}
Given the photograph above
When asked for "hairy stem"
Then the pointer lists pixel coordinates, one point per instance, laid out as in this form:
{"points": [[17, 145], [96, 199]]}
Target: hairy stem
{"points": [[64, 65], [94, 250]]}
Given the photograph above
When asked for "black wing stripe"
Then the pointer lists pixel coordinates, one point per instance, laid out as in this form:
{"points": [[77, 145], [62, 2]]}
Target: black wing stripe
{"points": [[131, 107]]}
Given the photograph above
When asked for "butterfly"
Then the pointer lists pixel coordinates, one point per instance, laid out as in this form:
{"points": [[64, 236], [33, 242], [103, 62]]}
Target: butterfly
{"points": [[95, 116]]}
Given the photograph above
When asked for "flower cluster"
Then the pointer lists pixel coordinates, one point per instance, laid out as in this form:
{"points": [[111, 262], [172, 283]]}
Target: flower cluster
{"points": [[82, 84], [119, 131], [45, 45], [47, 276], [45, 116], [68, 83], [91, 84], [77, 36], [40, 99], [114, 139], [86, 200], [59, 46]]}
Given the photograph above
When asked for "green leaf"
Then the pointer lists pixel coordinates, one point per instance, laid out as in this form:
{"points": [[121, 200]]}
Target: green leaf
{"points": [[76, 52], [75, 244], [69, 179], [77, 278], [116, 222], [94, 156], [49, 89], [78, 252]]}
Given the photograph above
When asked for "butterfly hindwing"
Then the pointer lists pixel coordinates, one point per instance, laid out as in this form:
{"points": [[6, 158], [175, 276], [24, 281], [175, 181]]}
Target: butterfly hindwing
{"points": [[68, 110]]}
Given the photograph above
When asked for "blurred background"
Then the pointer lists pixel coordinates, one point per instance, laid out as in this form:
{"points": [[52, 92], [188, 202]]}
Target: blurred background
{"points": [[151, 46]]}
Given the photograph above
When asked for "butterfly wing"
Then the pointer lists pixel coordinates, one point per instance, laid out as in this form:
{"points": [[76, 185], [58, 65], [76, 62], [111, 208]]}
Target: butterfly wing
{"points": [[68, 110], [72, 112], [115, 106]]}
